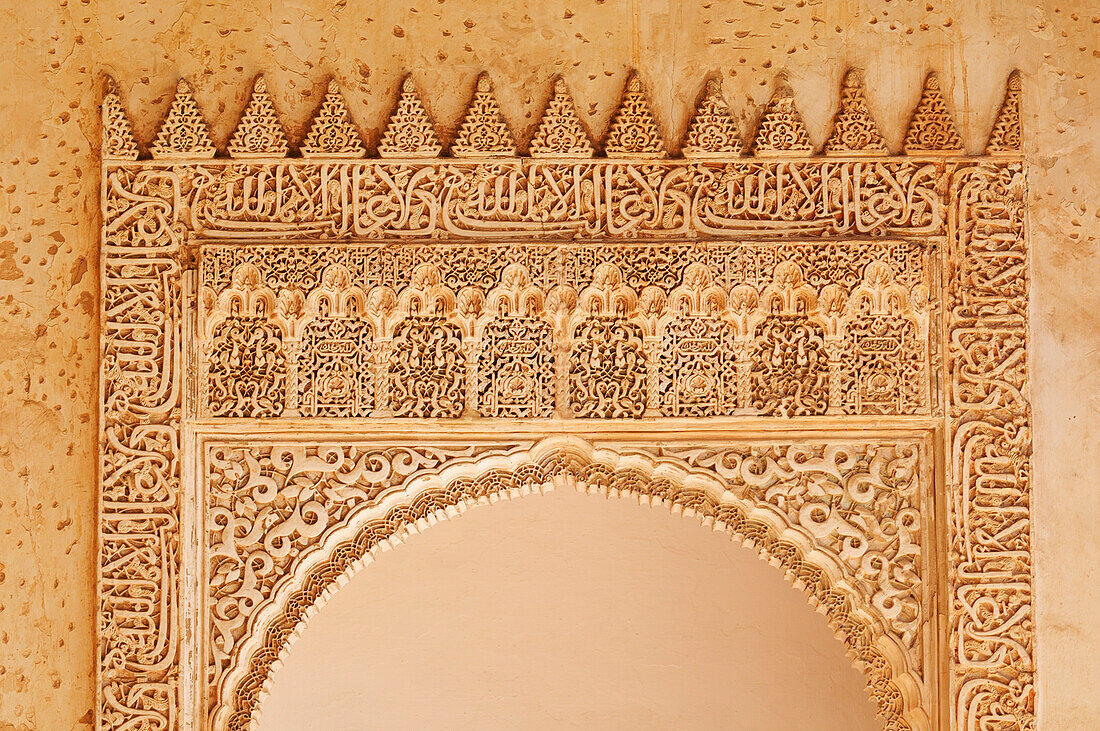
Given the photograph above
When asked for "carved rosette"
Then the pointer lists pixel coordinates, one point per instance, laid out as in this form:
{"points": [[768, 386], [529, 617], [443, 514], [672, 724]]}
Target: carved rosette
{"points": [[781, 130], [854, 129], [410, 131], [634, 131], [259, 133], [333, 133], [560, 132], [1006, 138], [713, 131], [932, 129], [484, 132], [118, 134], [183, 133]]}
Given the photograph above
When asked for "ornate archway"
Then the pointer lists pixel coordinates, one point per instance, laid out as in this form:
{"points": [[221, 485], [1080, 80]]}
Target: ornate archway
{"points": [[867, 617], [823, 355]]}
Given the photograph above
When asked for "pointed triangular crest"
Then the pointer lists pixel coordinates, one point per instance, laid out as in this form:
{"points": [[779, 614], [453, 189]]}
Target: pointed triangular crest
{"points": [[118, 134], [781, 129], [931, 128], [183, 133], [560, 132], [1005, 137], [483, 132], [332, 133], [713, 131], [633, 131], [854, 129], [410, 131], [259, 133]]}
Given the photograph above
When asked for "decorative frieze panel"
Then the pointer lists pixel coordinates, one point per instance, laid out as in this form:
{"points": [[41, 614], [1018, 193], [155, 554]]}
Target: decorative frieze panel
{"points": [[308, 359], [532, 198], [798, 329], [140, 547]]}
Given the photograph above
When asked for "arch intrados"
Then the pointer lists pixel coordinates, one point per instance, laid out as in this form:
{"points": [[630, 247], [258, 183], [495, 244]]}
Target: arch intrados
{"points": [[555, 463]]}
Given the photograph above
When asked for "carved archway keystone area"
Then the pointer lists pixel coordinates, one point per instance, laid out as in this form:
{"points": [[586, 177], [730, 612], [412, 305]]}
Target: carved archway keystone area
{"points": [[309, 356]]}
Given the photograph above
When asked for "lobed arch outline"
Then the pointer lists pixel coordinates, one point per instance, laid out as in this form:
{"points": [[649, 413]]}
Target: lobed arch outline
{"points": [[556, 462]]}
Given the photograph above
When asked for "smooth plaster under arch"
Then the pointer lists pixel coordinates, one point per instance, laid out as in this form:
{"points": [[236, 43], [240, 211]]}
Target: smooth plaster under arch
{"points": [[568, 611], [558, 462]]}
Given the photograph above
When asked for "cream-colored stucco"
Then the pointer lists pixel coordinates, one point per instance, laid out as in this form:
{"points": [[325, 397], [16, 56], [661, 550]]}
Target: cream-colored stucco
{"points": [[49, 203], [568, 610]]}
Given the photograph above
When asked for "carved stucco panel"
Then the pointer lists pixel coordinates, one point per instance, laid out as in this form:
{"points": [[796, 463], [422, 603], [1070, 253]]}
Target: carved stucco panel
{"points": [[797, 294], [843, 520]]}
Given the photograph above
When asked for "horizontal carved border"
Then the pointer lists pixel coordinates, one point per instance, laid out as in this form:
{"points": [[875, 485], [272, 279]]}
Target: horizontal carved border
{"points": [[544, 200], [585, 330]]}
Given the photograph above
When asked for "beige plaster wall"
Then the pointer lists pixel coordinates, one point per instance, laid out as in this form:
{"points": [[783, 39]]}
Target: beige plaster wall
{"points": [[55, 52], [568, 610]]}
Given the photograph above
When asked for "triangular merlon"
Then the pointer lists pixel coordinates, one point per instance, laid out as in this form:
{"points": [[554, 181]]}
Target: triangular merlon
{"points": [[560, 132], [259, 133], [854, 129], [781, 130], [1006, 137], [634, 131], [410, 131], [483, 132], [931, 128], [118, 141], [183, 133], [332, 132], [713, 131]]}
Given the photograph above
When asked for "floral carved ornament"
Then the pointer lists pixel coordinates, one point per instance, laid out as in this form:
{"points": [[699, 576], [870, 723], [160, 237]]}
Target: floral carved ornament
{"points": [[861, 307]]}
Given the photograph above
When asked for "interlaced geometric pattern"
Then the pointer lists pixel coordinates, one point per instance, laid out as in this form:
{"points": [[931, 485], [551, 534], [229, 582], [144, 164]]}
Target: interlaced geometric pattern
{"points": [[311, 354]]}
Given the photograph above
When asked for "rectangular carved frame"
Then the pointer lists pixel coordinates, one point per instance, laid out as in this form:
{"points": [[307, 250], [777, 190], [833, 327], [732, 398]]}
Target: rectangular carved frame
{"points": [[186, 240]]}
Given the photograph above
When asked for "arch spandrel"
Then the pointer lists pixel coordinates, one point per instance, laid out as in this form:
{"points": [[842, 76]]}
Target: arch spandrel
{"points": [[877, 643]]}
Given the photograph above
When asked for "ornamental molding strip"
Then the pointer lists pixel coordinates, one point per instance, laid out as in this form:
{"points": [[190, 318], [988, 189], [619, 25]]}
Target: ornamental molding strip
{"points": [[310, 355]]}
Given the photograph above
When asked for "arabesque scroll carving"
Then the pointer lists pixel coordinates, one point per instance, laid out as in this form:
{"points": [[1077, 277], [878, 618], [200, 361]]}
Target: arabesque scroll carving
{"points": [[841, 520], [264, 313]]}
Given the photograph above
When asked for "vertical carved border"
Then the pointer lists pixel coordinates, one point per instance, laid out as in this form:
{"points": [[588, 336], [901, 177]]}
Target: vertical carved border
{"points": [[989, 451], [139, 512]]}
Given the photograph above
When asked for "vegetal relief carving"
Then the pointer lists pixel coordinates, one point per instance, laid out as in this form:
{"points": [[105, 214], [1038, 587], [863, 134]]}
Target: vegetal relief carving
{"points": [[265, 507], [860, 503]]}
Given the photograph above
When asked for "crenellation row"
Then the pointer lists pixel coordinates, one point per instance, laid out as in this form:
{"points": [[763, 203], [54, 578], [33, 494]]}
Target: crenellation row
{"points": [[483, 132]]}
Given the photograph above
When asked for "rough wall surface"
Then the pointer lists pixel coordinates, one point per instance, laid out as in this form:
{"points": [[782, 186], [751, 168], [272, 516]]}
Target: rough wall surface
{"points": [[49, 210]]}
